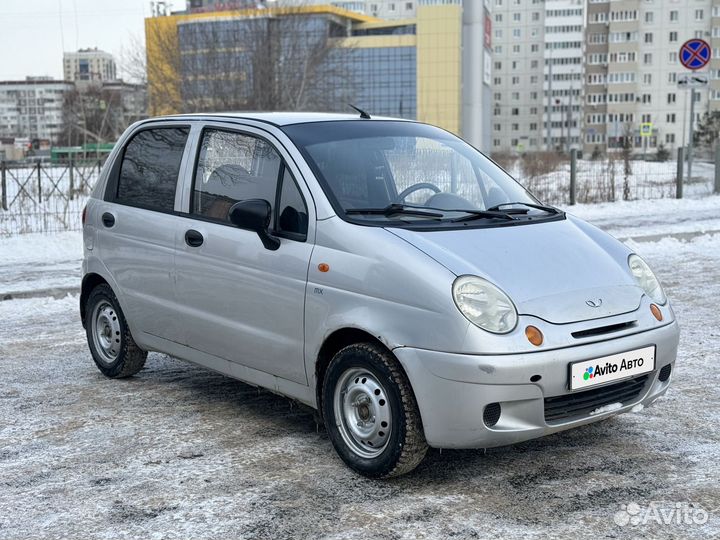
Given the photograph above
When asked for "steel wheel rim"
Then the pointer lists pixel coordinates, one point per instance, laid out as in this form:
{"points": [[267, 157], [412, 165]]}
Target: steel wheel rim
{"points": [[106, 331], [362, 412]]}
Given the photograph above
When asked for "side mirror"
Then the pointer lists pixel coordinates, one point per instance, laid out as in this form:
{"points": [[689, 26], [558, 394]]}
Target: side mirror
{"points": [[254, 215]]}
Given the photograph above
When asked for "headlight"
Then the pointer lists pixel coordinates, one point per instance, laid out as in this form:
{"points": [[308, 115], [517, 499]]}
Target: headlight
{"points": [[645, 278], [484, 304]]}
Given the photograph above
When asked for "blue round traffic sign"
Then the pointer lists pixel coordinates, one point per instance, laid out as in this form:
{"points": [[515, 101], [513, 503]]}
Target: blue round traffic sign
{"points": [[695, 53]]}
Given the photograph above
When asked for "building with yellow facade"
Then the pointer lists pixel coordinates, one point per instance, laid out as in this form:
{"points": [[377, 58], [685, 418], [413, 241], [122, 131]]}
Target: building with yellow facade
{"points": [[433, 67]]}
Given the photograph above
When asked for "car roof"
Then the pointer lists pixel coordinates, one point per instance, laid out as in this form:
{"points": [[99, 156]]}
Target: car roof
{"points": [[274, 118]]}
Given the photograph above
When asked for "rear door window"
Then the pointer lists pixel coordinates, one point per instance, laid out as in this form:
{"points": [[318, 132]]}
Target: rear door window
{"points": [[150, 167]]}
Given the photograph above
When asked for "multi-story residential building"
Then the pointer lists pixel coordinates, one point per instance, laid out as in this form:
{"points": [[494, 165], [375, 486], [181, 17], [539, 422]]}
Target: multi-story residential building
{"points": [[89, 65], [538, 75], [32, 108], [633, 56], [563, 73], [434, 67], [614, 67]]}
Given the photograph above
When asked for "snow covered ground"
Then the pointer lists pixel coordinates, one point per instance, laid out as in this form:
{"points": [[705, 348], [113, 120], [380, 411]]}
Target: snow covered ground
{"points": [[180, 452]]}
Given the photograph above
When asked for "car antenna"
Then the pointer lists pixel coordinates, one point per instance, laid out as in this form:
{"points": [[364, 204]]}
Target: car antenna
{"points": [[363, 114]]}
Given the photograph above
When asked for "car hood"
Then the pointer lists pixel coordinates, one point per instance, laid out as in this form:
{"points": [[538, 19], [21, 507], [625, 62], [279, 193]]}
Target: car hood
{"points": [[561, 271]]}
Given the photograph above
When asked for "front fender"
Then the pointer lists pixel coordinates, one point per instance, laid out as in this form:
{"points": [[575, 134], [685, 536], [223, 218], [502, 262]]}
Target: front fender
{"points": [[382, 285]]}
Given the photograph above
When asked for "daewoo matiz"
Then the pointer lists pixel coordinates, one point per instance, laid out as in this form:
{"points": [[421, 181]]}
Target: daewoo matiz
{"points": [[381, 271]]}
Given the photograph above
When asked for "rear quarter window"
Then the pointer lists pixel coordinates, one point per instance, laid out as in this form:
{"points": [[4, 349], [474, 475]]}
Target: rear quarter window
{"points": [[150, 167]]}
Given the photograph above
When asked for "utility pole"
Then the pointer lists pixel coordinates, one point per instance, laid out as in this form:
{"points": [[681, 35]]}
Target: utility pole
{"points": [[568, 119], [690, 137], [549, 104]]}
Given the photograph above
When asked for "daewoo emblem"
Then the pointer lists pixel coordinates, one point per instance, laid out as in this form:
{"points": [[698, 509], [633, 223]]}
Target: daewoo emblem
{"points": [[594, 303]]}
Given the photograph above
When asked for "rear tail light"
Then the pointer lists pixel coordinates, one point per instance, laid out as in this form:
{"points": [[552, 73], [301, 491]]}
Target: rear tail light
{"points": [[84, 214]]}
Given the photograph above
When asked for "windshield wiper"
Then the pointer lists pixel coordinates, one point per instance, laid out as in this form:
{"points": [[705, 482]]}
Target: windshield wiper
{"points": [[481, 214], [548, 209], [394, 209]]}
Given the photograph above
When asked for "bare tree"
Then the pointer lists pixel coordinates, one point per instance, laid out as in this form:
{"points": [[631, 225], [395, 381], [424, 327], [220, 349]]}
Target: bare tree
{"points": [[627, 147], [95, 113]]}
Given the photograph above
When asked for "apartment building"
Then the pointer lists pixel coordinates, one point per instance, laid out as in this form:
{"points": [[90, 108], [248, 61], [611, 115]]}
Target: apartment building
{"points": [[598, 70], [538, 51], [633, 68], [32, 108], [89, 65]]}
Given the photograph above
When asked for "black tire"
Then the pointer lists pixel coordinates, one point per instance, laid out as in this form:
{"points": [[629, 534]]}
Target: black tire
{"points": [[405, 446], [121, 357]]}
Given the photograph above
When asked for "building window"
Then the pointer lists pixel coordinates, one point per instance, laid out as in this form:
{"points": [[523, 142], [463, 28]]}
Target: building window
{"points": [[673, 37], [649, 17], [647, 59], [699, 14], [671, 98], [674, 15], [670, 138], [670, 118], [648, 37]]}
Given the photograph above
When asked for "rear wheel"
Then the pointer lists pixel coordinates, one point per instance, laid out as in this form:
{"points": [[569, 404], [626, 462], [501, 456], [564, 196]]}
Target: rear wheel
{"points": [[370, 412], [111, 344]]}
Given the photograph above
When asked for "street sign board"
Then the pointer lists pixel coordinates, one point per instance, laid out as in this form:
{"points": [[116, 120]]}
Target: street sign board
{"points": [[695, 54], [692, 80], [646, 129]]}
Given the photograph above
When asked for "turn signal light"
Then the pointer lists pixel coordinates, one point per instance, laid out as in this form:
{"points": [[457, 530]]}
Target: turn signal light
{"points": [[656, 312], [323, 267], [534, 335]]}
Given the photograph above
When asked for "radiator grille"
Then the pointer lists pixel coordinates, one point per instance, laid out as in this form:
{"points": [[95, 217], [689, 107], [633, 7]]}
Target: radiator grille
{"points": [[583, 403]]}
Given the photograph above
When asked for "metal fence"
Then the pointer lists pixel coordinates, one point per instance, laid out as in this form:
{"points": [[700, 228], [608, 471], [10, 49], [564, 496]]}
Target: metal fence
{"points": [[562, 180], [44, 197]]}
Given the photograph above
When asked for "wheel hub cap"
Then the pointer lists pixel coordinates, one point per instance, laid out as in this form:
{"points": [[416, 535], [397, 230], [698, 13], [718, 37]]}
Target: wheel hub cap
{"points": [[362, 412], [106, 331]]}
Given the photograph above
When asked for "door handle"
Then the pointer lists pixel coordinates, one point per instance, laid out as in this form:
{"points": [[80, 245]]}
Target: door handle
{"points": [[108, 219], [193, 238]]}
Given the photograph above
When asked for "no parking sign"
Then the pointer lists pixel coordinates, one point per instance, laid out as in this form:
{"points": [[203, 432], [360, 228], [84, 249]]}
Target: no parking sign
{"points": [[695, 54]]}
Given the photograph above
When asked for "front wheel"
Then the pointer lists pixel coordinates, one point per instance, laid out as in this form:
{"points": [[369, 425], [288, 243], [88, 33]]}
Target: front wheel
{"points": [[370, 412]]}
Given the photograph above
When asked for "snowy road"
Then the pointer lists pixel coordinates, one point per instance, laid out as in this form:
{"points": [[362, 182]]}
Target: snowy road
{"points": [[180, 452]]}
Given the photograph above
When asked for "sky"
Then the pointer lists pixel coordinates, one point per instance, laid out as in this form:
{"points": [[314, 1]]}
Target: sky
{"points": [[34, 33]]}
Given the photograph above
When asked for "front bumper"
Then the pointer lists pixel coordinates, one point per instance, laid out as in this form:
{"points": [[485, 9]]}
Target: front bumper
{"points": [[452, 390]]}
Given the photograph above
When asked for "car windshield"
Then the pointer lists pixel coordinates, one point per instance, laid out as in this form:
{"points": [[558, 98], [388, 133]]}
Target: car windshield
{"points": [[384, 171]]}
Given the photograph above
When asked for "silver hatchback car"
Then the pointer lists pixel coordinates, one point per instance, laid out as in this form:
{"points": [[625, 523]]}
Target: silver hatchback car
{"points": [[381, 271]]}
